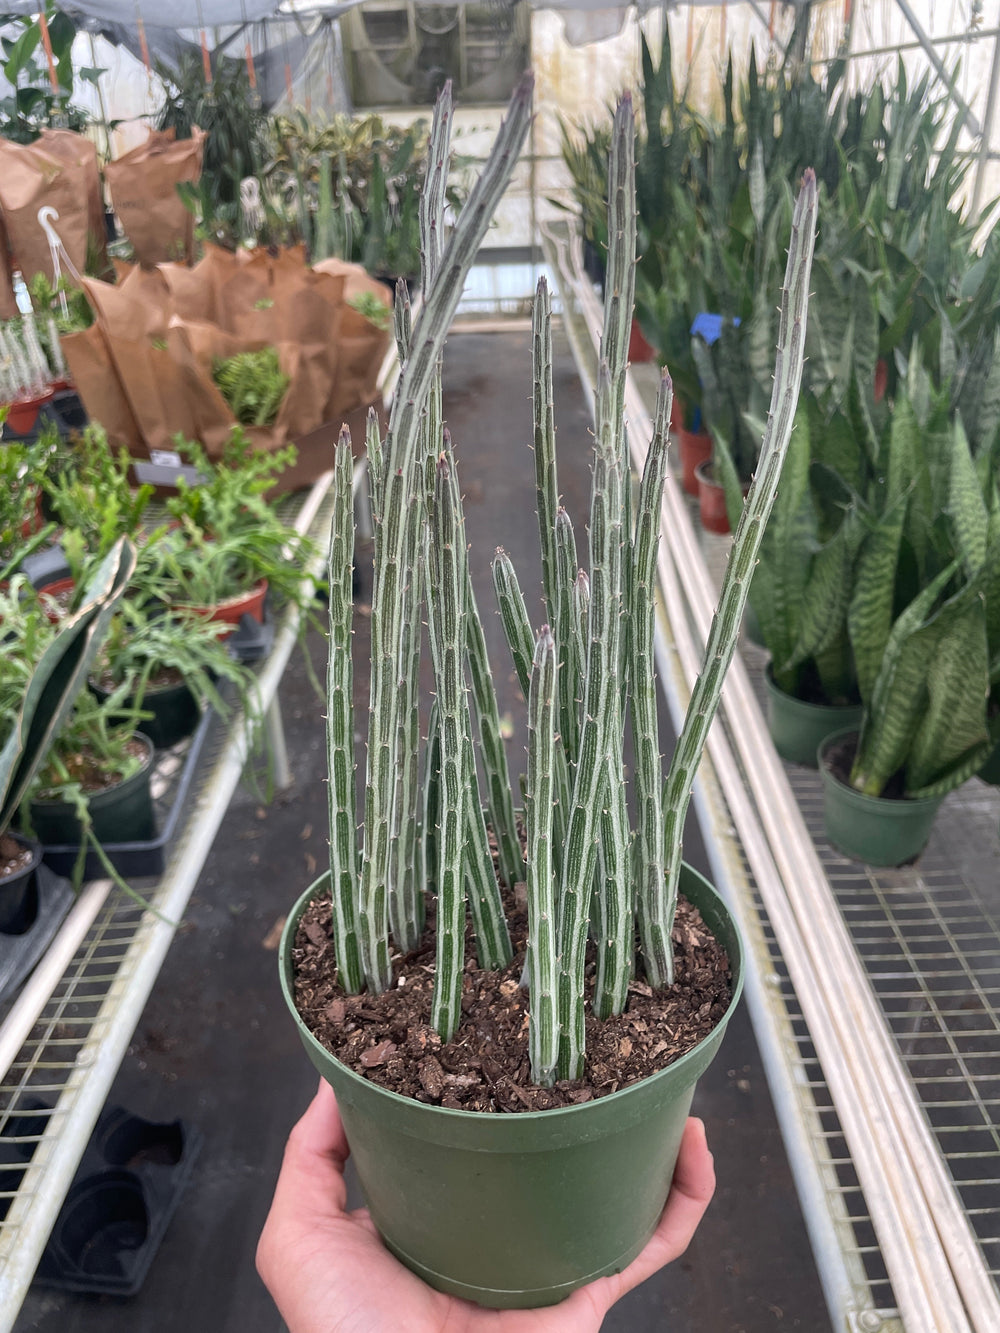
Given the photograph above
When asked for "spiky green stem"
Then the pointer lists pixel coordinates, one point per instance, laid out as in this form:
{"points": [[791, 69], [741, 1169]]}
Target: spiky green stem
{"points": [[581, 615], [408, 408], [544, 441], [543, 1016], [432, 803], [499, 801], [655, 920], [434, 195], [376, 468], [569, 647], [341, 793], [445, 550], [746, 543], [402, 326], [601, 706]]}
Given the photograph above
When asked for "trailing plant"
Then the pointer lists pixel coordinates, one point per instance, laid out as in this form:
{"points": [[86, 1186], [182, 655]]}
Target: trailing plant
{"points": [[91, 493], [228, 537], [581, 866], [252, 384], [22, 468]]}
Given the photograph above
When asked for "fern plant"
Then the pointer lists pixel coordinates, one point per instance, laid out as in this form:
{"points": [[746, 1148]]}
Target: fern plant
{"points": [[253, 385]]}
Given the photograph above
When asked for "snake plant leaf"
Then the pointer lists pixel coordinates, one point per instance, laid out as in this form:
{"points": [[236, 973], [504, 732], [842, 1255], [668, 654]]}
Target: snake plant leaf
{"points": [[899, 691], [953, 728], [966, 506], [826, 599], [59, 676], [869, 616]]}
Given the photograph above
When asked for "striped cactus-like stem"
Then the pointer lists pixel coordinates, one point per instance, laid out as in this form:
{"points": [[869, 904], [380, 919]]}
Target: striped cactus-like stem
{"points": [[613, 922], [513, 617], [620, 281], [445, 551], [431, 804], [570, 677], [499, 801], [542, 962], [404, 890], [655, 920], [544, 443], [376, 468], [581, 619], [602, 703], [517, 631], [402, 324], [434, 195], [489, 923], [341, 794], [746, 543], [405, 431]]}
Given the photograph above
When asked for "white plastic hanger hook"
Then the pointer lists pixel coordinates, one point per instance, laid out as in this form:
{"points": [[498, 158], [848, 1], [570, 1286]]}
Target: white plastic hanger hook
{"points": [[47, 217]]}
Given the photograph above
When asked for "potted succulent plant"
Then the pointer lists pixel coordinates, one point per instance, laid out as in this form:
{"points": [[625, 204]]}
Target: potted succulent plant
{"points": [[515, 1209], [228, 546], [169, 664], [923, 620], [39, 682], [25, 375]]}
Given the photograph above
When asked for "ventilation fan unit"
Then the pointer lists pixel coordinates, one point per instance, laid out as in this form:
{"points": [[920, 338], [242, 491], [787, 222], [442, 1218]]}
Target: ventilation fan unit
{"points": [[401, 53]]}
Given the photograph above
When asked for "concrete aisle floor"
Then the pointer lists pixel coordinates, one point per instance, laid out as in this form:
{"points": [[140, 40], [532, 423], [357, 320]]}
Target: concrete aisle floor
{"points": [[216, 1047]]}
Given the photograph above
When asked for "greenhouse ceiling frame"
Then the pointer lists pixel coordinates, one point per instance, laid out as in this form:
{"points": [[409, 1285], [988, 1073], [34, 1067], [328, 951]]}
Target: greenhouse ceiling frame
{"points": [[929, 44]]}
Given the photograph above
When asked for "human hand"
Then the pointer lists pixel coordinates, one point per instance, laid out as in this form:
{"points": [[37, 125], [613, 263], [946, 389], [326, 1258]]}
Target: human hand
{"points": [[329, 1272]]}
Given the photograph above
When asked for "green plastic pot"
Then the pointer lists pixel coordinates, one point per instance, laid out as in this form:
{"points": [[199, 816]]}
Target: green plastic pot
{"points": [[990, 771], [175, 711], [799, 728], [123, 813], [879, 830], [517, 1211]]}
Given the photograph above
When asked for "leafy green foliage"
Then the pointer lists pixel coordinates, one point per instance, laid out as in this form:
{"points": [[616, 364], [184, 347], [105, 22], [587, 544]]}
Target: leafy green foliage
{"points": [[33, 104], [252, 384], [356, 185], [374, 310], [236, 128]]}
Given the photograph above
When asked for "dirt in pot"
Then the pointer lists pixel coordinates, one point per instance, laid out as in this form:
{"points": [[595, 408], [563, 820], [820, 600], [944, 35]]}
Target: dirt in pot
{"points": [[839, 758], [14, 856], [388, 1038]]}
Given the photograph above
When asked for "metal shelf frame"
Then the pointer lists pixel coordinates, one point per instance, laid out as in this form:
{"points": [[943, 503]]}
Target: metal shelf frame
{"points": [[64, 1037]]}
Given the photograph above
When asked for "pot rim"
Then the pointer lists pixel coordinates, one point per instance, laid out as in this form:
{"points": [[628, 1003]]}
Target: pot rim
{"points": [[776, 689], [258, 589], [147, 766], [860, 798], [737, 966]]}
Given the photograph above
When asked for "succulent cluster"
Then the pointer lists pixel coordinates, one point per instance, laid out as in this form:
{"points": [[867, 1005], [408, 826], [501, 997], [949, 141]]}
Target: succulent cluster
{"points": [[588, 874]]}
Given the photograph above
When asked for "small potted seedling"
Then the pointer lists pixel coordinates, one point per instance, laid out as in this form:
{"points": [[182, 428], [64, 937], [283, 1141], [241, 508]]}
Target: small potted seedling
{"points": [[513, 1188]]}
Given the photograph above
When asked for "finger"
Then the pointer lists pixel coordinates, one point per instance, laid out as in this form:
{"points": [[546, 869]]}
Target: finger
{"points": [[690, 1194], [313, 1166]]}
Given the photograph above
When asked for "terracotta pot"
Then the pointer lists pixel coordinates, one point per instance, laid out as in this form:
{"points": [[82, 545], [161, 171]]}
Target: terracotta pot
{"points": [[233, 609], [55, 590], [638, 348], [23, 412], [711, 500], [694, 447]]}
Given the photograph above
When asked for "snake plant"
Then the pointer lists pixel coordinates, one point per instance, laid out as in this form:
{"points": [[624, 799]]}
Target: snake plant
{"points": [[585, 673]]}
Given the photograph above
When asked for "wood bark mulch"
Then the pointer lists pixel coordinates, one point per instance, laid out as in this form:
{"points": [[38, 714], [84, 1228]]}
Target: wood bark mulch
{"points": [[388, 1038]]}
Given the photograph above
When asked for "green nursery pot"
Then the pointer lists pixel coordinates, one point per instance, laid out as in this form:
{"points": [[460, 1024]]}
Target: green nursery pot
{"points": [[878, 830], [516, 1211], [799, 728], [123, 813]]}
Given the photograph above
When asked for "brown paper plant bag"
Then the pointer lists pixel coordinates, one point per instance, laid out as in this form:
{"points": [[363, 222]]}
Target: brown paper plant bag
{"points": [[32, 179], [361, 346], [143, 190], [77, 150]]}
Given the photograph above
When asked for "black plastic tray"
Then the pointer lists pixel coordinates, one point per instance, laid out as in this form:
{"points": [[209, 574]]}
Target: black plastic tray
{"points": [[123, 1196], [20, 951], [138, 860]]}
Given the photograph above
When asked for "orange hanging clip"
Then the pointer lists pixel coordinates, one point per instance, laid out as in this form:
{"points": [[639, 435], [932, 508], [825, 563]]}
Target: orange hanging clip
{"points": [[43, 25]]}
